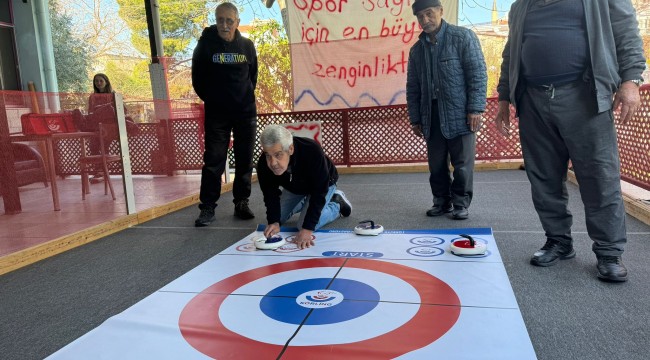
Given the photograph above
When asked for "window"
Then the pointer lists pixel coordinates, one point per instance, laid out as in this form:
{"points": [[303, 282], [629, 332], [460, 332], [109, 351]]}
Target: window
{"points": [[5, 12], [9, 79]]}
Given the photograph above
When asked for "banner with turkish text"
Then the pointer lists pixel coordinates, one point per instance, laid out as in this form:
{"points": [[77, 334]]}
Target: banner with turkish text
{"points": [[352, 53]]}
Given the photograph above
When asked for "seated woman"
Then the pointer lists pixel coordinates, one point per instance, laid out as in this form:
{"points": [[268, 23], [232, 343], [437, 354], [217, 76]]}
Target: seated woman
{"points": [[101, 109]]}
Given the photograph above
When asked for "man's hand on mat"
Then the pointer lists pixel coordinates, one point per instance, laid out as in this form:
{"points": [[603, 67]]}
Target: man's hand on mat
{"points": [[271, 229], [304, 239]]}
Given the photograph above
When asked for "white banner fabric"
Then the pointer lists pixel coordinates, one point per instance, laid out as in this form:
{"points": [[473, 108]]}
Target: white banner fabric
{"points": [[352, 53]]}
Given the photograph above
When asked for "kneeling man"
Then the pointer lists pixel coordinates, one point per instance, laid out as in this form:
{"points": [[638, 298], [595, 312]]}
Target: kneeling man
{"points": [[296, 176]]}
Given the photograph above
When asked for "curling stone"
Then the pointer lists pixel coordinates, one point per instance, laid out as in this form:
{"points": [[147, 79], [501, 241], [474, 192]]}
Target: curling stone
{"points": [[271, 243], [468, 247], [368, 227]]}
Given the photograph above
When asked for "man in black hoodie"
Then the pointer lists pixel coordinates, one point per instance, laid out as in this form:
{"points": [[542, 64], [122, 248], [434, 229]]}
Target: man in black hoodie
{"points": [[296, 176], [224, 76]]}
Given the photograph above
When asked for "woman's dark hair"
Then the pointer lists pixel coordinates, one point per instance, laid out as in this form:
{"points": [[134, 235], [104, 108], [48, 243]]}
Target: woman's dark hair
{"points": [[108, 88]]}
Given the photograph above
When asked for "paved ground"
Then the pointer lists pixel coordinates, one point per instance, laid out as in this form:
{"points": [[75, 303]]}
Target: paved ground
{"points": [[568, 312]]}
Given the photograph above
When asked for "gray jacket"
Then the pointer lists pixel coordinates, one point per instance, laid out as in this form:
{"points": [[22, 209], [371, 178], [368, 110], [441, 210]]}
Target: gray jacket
{"points": [[615, 47], [461, 81]]}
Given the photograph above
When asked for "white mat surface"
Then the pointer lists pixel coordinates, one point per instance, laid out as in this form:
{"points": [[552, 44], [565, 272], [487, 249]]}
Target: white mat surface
{"points": [[401, 295]]}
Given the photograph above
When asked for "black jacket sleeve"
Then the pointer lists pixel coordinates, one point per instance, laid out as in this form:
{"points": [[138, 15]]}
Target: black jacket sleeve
{"points": [[253, 68], [270, 187], [199, 78]]}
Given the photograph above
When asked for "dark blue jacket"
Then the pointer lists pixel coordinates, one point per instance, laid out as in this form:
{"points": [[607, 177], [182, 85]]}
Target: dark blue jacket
{"points": [[461, 81]]}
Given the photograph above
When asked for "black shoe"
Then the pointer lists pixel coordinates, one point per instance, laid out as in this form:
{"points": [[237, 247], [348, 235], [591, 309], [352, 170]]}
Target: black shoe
{"points": [[344, 203], [205, 218], [242, 210], [460, 213], [437, 210], [551, 253], [611, 268]]}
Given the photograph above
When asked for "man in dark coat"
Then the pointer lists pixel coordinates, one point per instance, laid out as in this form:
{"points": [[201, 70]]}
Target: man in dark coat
{"points": [[446, 88]]}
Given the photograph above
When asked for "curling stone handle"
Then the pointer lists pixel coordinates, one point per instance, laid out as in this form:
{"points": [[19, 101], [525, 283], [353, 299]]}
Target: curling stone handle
{"points": [[471, 240], [372, 223]]}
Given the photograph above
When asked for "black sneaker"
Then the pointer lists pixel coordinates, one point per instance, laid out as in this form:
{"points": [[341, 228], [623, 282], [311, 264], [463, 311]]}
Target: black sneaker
{"points": [[437, 210], [611, 268], [242, 210], [551, 253], [460, 213], [205, 218], [344, 203]]}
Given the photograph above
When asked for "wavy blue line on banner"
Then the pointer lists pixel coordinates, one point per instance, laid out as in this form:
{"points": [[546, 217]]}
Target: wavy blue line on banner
{"points": [[329, 101]]}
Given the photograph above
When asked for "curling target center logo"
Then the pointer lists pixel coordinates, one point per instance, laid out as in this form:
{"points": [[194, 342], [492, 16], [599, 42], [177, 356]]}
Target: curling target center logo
{"points": [[319, 299]]}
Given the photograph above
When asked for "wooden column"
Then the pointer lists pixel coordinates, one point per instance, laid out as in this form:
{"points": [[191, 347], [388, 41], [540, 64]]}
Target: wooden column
{"points": [[8, 182]]}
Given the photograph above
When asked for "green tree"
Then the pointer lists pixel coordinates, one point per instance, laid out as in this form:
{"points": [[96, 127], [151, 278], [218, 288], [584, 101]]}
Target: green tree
{"points": [[274, 77], [70, 53], [492, 47], [180, 22], [130, 78], [181, 25]]}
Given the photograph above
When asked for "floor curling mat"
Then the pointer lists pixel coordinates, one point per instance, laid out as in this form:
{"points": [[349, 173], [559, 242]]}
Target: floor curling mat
{"points": [[398, 295]]}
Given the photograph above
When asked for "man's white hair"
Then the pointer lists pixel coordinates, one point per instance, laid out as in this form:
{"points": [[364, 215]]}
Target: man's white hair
{"points": [[227, 6], [276, 134]]}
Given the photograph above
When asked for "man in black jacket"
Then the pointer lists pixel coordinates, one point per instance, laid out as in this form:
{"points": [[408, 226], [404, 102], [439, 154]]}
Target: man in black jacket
{"points": [[224, 76], [308, 181]]}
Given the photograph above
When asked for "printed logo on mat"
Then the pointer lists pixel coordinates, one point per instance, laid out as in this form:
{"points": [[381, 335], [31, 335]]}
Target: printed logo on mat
{"points": [[319, 298]]}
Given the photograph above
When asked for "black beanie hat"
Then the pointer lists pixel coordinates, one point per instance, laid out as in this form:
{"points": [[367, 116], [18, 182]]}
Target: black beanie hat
{"points": [[419, 5]]}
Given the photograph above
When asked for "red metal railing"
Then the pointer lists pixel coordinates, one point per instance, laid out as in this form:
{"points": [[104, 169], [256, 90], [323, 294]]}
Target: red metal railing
{"points": [[351, 137]]}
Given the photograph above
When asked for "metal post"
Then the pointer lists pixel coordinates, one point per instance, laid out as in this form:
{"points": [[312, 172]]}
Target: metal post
{"points": [[158, 66], [126, 158]]}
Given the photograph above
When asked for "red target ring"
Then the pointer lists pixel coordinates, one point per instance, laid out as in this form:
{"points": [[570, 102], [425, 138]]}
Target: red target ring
{"points": [[201, 327]]}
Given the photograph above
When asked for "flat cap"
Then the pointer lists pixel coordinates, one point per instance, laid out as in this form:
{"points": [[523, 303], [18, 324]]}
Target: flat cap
{"points": [[419, 5]]}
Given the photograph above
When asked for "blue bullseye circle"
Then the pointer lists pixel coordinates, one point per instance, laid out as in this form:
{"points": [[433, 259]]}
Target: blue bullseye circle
{"points": [[282, 304]]}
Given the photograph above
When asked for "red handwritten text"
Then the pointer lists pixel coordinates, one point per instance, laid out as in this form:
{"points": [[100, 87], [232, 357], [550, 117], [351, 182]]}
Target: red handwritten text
{"points": [[311, 6], [406, 30], [379, 66], [315, 34], [396, 7], [361, 33]]}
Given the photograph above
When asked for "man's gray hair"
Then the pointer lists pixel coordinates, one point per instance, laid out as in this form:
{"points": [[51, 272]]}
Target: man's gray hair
{"points": [[276, 134], [228, 6]]}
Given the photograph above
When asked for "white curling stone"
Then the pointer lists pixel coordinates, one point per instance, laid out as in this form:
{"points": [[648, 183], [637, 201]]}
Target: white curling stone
{"points": [[463, 247], [272, 243], [366, 229]]}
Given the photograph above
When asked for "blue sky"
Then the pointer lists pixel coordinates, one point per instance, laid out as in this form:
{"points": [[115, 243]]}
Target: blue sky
{"points": [[469, 11], [480, 11]]}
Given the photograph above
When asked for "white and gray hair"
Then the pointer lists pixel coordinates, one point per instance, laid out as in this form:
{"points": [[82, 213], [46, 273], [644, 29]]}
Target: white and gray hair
{"points": [[276, 134], [228, 6]]}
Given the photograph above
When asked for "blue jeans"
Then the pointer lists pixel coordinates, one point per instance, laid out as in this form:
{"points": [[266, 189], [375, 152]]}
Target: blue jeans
{"points": [[291, 204]]}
